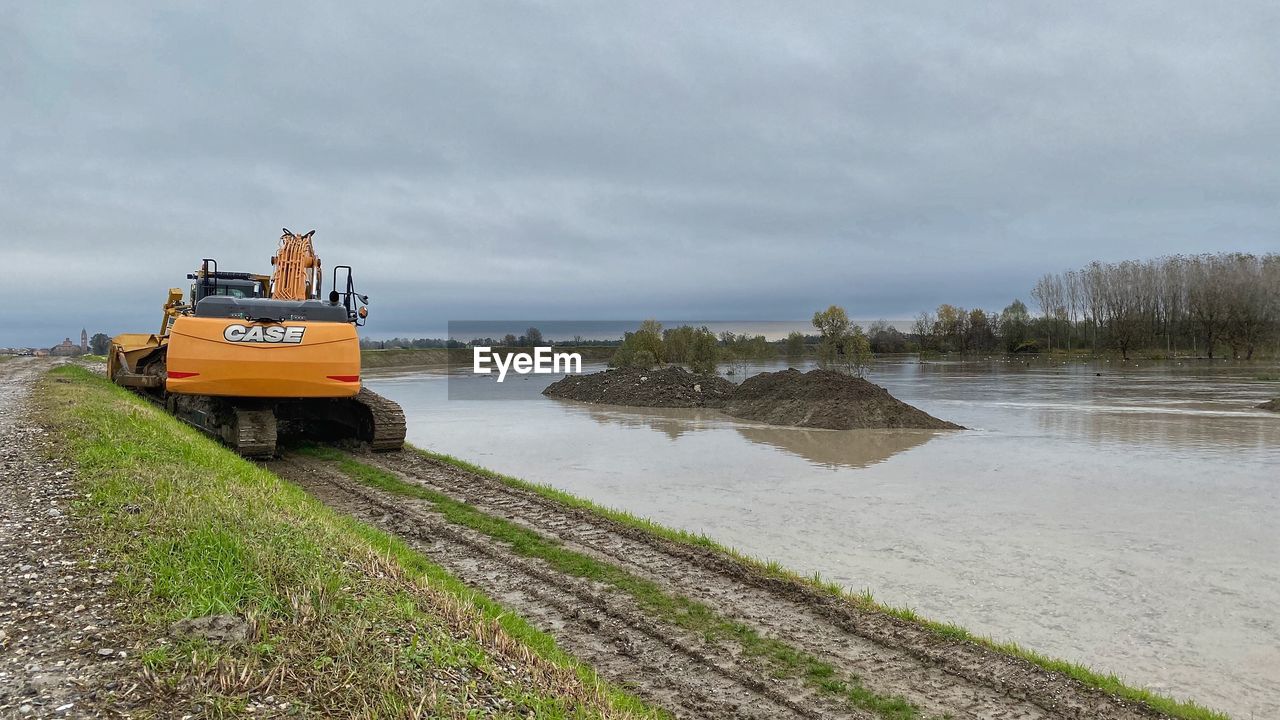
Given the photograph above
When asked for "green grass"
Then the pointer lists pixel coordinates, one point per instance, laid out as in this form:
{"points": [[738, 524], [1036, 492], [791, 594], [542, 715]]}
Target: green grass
{"points": [[1106, 682], [347, 620], [91, 358], [403, 357], [676, 609]]}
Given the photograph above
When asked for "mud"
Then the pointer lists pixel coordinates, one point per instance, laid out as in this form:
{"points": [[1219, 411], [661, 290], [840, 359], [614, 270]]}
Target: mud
{"points": [[672, 387], [664, 663], [671, 667], [1272, 405], [825, 399]]}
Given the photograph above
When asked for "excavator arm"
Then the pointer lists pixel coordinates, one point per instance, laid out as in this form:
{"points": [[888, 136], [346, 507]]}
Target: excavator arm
{"points": [[297, 274]]}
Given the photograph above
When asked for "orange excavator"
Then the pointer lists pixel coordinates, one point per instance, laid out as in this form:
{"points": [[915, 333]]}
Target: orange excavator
{"points": [[250, 358]]}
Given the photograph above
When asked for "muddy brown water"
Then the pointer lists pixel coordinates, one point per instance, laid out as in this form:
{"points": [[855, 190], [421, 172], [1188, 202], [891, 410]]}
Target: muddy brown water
{"points": [[1123, 517]]}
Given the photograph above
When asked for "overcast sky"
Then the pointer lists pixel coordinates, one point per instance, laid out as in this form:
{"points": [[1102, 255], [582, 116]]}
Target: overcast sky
{"points": [[614, 160]]}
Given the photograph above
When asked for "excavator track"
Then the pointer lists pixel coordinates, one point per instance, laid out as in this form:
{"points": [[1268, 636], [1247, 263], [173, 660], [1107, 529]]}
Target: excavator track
{"points": [[388, 421], [252, 433], [252, 429]]}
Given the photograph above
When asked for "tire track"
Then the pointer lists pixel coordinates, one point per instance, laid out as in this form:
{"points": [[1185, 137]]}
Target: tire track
{"points": [[669, 666], [890, 656]]}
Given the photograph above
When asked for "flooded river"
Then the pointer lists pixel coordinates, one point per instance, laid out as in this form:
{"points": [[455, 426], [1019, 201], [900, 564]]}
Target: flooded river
{"points": [[1125, 518]]}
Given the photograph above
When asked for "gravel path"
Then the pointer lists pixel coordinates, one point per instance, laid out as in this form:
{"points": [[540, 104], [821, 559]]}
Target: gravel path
{"points": [[59, 655]]}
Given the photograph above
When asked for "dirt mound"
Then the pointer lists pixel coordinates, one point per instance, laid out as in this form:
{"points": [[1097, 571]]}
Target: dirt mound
{"points": [[667, 387], [825, 399], [1272, 405]]}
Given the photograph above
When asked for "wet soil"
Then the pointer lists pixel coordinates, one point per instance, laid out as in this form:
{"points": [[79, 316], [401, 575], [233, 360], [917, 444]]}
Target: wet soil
{"points": [[671, 387], [1272, 405], [825, 399], [668, 665]]}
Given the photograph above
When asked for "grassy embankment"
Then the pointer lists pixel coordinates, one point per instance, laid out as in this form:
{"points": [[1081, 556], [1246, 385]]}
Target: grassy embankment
{"points": [[420, 357], [783, 659], [1106, 682], [345, 619]]}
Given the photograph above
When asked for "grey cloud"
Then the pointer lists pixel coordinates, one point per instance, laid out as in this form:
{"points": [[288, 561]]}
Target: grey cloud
{"points": [[733, 160]]}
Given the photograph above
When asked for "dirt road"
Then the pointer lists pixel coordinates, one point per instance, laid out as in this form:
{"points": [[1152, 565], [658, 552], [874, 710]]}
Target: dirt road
{"points": [[666, 661], [59, 656]]}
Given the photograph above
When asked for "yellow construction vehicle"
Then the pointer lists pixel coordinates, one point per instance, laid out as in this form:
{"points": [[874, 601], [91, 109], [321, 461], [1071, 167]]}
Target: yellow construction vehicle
{"points": [[247, 358]]}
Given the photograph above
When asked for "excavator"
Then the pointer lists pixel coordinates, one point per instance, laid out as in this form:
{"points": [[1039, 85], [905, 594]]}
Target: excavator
{"points": [[250, 358]]}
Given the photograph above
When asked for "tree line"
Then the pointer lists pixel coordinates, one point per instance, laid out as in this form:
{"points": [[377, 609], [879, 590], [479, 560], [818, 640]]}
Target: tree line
{"points": [[839, 345], [1199, 304], [531, 338], [697, 348]]}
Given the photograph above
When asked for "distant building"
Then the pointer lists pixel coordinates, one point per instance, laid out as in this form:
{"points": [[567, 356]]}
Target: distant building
{"points": [[40, 352], [84, 341], [66, 348]]}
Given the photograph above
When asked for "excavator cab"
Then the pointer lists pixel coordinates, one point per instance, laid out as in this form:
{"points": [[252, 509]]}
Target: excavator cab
{"points": [[226, 288], [211, 281]]}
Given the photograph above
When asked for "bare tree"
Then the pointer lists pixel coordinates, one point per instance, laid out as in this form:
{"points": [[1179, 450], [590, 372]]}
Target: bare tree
{"points": [[1206, 300], [923, 329], [1074, 297], [1247, 303]]}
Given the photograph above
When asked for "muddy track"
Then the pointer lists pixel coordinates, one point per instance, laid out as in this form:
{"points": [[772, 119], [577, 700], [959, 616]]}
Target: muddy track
{"points": [[892, 656], [669, 666]]}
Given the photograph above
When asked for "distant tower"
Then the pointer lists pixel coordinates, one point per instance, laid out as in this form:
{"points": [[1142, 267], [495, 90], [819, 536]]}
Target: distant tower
{"points": [[84, 340]]}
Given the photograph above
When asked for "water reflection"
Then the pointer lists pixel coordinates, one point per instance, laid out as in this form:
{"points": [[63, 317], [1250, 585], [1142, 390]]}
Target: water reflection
{"points": [[1178, 429], [839, 448], [672, 422], [825, 448]]}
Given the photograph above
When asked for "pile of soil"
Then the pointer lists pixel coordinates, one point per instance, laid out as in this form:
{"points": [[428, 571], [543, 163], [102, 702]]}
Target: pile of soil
{"points": [[666, 387], [1272, 405], [825, 399]]}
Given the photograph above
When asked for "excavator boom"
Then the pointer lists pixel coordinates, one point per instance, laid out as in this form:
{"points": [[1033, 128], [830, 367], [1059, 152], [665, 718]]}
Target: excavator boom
{"points": [[297, 274]]}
